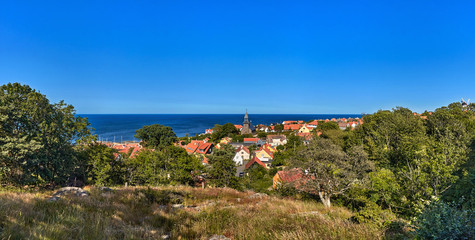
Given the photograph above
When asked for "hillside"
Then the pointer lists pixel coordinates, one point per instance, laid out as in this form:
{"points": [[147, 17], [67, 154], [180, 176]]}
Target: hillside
{"points": [[173, 213]]}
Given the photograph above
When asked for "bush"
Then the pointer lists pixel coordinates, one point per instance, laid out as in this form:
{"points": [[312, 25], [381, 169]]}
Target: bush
{"points": [[373, 213], [441, 220]]}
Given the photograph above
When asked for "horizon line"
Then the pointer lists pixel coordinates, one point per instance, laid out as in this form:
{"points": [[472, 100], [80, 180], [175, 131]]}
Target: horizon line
{"points": [[219, 113]]}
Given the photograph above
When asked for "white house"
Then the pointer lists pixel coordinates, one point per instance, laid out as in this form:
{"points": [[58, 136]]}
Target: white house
{"points": [[238, 159]]}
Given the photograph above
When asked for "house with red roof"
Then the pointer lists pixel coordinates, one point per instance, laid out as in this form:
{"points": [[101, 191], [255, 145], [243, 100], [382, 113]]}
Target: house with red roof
{"points": [[313, 123], [199, 147], [295, 176], [253, 161], [276, 140], [256, 141], [292, 122], [209, 131], [292, 127]]}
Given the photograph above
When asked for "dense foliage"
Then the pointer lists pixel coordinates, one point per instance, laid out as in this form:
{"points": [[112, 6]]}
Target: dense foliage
{"points": [[156, 136], [37, 137]]}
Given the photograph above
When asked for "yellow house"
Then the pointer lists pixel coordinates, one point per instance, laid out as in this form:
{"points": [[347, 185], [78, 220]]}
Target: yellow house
{"points": [[264, 155], [304, 129], [269, 148], [225, 140]]}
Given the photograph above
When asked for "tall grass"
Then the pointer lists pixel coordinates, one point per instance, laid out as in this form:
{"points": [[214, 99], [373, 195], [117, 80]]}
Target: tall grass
{"points": [[147, 213]]}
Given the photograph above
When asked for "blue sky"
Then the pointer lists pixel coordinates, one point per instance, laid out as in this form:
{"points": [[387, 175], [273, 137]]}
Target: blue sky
{"points": [[226, 56]]}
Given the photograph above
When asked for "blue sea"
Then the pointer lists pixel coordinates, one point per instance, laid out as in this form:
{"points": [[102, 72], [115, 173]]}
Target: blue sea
{"points": [[122, 127]]}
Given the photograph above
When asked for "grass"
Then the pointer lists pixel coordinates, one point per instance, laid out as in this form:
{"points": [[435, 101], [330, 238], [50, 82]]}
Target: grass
{"points": [[148, 213]]}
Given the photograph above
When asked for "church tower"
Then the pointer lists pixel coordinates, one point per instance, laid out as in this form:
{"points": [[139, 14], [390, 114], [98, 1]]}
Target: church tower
{"points": [[246, 126]]}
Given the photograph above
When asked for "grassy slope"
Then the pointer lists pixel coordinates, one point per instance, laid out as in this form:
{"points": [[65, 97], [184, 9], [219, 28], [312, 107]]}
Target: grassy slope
{"points": [[136, 213]]}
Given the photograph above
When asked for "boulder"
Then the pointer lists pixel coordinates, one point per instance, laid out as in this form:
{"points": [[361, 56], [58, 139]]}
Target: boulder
{"points": [[258, 195], [79, 192], [219, 237]]}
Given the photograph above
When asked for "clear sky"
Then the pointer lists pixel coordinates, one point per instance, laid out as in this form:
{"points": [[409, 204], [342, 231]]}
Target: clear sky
{"points": [[226, 56]]}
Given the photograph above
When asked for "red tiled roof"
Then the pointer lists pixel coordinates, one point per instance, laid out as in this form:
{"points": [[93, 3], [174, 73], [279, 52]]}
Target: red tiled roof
{"points": [[251, 139], [254, 160], [314, 122], [203, 148], [243, 148]]}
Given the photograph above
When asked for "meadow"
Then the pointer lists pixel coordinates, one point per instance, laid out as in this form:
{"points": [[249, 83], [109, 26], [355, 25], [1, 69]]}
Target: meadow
{"points": [[173, 213]]}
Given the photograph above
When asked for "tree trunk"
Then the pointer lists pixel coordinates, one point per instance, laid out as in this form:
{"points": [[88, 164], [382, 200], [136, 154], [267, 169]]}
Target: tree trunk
{"points": [[325, 199]]}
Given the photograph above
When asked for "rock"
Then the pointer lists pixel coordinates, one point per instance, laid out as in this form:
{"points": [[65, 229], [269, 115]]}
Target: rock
{"points": [[178, 206], [53, 199], [105, 189], [165, 236], [238, 199], [219, 237], [79, 192], [258, 195]]}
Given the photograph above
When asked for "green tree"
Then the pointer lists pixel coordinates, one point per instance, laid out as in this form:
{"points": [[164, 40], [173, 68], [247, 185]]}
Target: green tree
{"points": [[258, 178], [440, 220], [37, 138], [105, 166], [279, 127], [156, 136], [171, 165], [222, 167], [332, 170], [424, 155], [221, 131], [324, 126]]}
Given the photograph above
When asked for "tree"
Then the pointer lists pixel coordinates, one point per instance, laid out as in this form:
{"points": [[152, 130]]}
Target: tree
{"points": [[37, 137], [258, 178], [331, 170], [104, 168], [171, 165], [223, 168], [156, 136], [424, 155], [221, 131], [324, 126], [279, 127]]}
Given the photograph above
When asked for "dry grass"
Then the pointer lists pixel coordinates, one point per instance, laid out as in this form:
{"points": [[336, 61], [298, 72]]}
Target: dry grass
{"points": [[142, 213]]}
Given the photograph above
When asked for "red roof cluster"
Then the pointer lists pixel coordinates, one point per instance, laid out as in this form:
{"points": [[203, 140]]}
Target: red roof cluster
{"points": [[251, 140], [197, 146], [124, 148]]}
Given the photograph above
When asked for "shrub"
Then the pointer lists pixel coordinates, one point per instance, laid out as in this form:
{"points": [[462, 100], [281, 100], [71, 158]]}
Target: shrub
{"points": [[441, 220]]}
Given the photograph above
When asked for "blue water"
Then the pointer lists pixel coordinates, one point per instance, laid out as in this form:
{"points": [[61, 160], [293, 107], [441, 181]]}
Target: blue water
{"points": [[119, 127]]}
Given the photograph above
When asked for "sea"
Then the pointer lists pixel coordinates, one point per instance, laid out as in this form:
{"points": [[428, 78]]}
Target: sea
{"points": [[122, 127]]}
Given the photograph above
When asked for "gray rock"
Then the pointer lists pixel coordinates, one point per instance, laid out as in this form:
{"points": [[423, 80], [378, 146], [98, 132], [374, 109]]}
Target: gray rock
{"points": [[178, 206], [69, 191], [258, 195], [106, 189], [53, 199], [219, 237], [165, 236]]}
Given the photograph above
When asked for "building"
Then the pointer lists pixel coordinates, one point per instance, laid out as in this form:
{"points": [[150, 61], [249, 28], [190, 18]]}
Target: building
{"points": [[256, 141], [246, 125], [276, 140], [297, 177]]}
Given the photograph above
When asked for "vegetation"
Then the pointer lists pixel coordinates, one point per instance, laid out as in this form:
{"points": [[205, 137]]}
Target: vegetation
{"points": [[398, 171], [37, 138], [156, 136], [222, 169], [148, 213], [331, 171], [221, 131]]}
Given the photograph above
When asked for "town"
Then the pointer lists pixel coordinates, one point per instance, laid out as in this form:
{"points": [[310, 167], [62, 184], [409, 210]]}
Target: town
{"points": [[254, 145]]}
